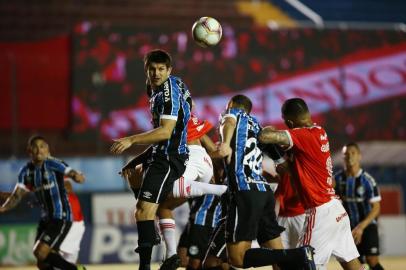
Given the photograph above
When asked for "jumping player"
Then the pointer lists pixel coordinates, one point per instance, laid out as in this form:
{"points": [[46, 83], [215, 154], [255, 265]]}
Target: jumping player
{"points": [[327, 226], [170, 107], [251, 203]]}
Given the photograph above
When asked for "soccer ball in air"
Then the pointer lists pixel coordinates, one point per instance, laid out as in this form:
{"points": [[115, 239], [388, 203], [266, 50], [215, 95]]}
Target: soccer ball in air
{"points": [[207, 32]]}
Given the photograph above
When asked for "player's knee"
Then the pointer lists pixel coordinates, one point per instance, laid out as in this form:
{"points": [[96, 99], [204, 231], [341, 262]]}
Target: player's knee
{"points": [[194, 264], [40, 255], [372, 260], [236, 261], [211, 261], [145, 211]]}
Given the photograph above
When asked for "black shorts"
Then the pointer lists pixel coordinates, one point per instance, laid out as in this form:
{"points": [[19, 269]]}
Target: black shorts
{"points": [[369, 245], [160, 173], [184, 237], [199, 237], [217, 242], [251, 215], [52, 232], [196, 239]]}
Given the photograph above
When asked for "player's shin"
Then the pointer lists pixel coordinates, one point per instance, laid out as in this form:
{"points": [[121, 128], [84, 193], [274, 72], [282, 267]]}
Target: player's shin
{"points": [[54, 259]]}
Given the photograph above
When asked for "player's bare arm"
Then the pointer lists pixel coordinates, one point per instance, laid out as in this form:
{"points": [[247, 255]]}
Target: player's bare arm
{"points": [[76, 176], [210, 147], [271, 135], [13, 200], [128, 169], [161, 133], [227, 130], [359, 229]]}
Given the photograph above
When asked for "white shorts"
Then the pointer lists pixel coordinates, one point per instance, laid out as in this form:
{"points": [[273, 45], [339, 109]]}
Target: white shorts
{"points": [[293, 228], [327, 229], [199, 166], [70, 246]]}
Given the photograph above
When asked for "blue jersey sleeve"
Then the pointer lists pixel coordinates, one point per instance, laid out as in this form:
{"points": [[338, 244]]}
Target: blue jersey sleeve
{"points": [[22, 178], [172, 94], [372, 193], [57, 166]]}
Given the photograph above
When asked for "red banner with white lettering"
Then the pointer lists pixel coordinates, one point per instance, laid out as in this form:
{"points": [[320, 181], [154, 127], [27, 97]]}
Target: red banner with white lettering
{"points": [[354, 81]]}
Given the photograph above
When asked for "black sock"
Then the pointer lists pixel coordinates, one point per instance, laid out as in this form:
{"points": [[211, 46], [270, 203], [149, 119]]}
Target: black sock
{"points": [[56, 260], [146, 237], [377, 266], [257, 257], [218, 267]]}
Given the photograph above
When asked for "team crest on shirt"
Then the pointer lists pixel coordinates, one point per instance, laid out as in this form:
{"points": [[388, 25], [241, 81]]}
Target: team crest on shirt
{"points": [[360, 190], [193, 250]]}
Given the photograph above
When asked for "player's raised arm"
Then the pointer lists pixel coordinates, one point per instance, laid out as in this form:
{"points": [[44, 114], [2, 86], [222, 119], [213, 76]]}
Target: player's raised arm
{"points": [[161, 133], [76, 176], [13, 200], [227, 130], [271, 135]]}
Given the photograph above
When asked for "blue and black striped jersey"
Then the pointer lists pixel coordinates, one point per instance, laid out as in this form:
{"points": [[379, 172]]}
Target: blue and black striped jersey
{"points": [[245, 170], [357, 194], [47, 183], [205, 210], [171, 101]]}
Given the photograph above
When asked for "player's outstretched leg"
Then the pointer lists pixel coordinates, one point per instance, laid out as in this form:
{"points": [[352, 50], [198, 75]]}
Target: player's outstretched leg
{"points": [[292, 259], [183, 188]]}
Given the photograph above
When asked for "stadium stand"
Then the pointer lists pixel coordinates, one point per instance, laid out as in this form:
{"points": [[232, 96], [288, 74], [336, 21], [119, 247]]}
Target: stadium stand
{"points": [[349, 10]]}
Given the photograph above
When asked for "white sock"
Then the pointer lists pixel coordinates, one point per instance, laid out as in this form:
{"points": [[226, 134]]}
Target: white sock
{"points": [[188, 189], [167, 226]]}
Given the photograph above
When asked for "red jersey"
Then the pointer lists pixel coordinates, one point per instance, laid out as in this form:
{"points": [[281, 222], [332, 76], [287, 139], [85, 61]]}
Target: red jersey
{"points": [[196, 128], [312, 165], [75, 206], [288, 198]]}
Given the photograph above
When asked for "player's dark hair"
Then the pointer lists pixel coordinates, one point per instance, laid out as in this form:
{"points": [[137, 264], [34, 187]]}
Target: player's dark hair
{"points": [[148, 88], [353, 144], [243, 102], [35, 138], [157, 56], [294, 107]]}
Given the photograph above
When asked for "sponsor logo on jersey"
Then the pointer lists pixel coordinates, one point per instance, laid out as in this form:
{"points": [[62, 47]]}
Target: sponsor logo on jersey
{"points": [[45, 187], [166, 91], [340, 217]]}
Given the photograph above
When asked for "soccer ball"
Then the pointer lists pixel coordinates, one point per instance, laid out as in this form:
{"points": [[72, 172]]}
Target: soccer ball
{"points": [[207, 32]]}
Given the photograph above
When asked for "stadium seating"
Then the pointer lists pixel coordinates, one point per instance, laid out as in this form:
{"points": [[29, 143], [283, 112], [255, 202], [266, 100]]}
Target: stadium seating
{"points": [[350, 10]]}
